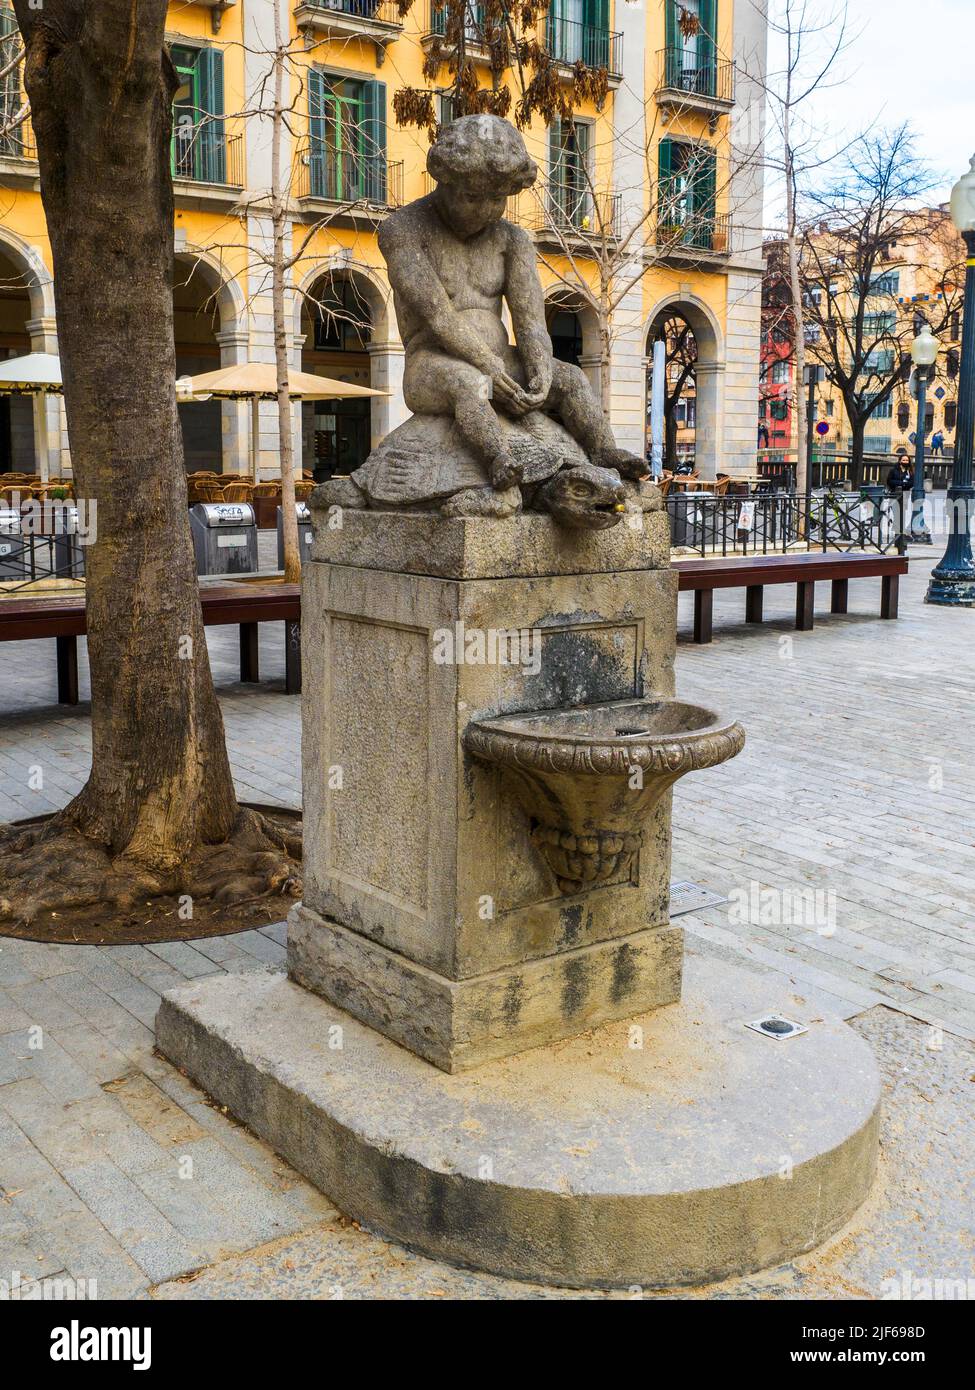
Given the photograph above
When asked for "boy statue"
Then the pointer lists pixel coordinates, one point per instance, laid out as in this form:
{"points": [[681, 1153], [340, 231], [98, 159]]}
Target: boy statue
{"points": [[453, 261]]}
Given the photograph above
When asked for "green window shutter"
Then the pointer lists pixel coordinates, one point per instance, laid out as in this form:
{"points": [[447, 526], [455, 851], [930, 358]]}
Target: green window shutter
{"points": [[706, 184], [664, 175], [670, 38], [373, 143], [213, 148], [704, 196], [707, 48], [595, 47]]}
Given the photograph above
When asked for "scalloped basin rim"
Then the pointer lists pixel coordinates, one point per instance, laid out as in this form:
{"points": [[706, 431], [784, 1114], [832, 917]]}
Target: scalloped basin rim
{"points": [[614, 724]]}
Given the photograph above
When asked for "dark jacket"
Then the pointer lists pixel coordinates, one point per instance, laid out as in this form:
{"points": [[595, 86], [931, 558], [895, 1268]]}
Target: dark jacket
{"points": [[898, 481]]}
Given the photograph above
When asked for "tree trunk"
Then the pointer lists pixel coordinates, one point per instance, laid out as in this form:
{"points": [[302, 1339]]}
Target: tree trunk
{"points": [[795, 286], [289, 520], [101, 83], [857, 428]]}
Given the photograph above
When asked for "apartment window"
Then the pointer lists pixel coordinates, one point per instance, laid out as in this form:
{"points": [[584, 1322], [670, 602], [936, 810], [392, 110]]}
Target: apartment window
{"points": [[903, 415], [577, 31], [951, 414], [886, 283], [876, 325], [954, 331], [347, 132], [951, 363], [11, 95], [474, 18], [880, 362], [691, 59], [570, 200], [199, 150], [687, 193], [780, 372], [779, 410], [884, 411], [877, 443], [829, 405]]}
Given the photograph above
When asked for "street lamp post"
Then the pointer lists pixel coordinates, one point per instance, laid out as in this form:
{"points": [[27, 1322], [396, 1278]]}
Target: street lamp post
{"points": [[924, 354], [953, 581]]}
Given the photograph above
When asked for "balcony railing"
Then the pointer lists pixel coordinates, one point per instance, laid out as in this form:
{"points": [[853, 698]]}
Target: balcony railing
{"points": [[564, 208], [350, 178], [379, 20], [203, 152], [383, 11], [17, 143], [712, 81], [685, 236], [568, 41], [474, 22]]}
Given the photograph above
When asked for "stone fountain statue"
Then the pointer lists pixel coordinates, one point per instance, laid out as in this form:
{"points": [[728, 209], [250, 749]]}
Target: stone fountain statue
{"points": [[486, 1045], [496, 426]]}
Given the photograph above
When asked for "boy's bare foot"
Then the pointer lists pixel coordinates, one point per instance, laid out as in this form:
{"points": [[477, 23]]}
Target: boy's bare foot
{"points": [[505, 472]]}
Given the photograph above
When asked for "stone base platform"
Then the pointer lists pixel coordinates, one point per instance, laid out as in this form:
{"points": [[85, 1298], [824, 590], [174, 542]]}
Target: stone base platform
{"points": [[678, 1147]]}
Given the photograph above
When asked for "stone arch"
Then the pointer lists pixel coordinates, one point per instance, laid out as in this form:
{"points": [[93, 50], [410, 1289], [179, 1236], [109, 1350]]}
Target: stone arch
{"points": [[31, 427], [709, 371], [560, 298], [211, 331], [336, 434]]}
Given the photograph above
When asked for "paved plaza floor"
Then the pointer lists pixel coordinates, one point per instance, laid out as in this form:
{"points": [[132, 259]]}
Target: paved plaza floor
{"points": [[842, 841]]}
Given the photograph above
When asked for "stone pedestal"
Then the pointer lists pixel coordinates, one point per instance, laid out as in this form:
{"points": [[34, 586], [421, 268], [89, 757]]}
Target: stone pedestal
{"points": [[672, 1148], [428, 913]]}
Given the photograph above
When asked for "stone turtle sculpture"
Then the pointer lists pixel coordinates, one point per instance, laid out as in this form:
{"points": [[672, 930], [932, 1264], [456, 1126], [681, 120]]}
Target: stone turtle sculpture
{"points": [[426, 465]]}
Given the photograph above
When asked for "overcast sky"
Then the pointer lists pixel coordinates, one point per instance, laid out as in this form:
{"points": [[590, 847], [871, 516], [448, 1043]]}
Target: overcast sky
{"points": [[910, 60]]}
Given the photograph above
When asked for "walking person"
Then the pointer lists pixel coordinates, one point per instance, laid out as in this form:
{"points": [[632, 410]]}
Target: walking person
{"points": [[900, 481]]}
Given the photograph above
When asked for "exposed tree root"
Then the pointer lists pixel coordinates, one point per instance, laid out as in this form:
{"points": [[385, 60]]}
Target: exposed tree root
{"points": [[55, 868]]}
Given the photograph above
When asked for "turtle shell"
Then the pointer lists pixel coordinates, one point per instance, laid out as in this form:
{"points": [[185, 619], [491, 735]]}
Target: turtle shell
{"points": [[427, 460]]}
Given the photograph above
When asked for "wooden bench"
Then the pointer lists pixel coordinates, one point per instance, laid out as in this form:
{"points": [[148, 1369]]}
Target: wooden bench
{"points": [[803, 569], [246, 603]]}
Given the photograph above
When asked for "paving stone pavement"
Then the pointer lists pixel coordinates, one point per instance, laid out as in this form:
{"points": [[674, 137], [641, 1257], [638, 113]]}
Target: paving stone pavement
{"points": [[843, 837]]}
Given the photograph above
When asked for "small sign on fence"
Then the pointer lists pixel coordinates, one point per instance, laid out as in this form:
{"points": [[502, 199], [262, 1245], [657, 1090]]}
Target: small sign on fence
{"points": [[746, 516]]}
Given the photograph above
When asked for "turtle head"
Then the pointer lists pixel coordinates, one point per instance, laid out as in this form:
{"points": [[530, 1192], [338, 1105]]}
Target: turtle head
{"points": [[585, 497]]}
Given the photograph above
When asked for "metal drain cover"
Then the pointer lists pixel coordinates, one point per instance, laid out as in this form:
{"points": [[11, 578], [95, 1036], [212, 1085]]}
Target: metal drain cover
{"points": [[775, 1026], [691, 897]]}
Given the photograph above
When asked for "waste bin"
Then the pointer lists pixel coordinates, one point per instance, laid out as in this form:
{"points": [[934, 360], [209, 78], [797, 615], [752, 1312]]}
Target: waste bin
{"points": [[224, 537], [304, 533], [12, 564]]}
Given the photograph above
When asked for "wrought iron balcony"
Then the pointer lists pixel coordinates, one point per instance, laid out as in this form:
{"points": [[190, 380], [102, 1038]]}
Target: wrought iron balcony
{"points": [[203, 152], [17, 143], [684, 82], [377, 20], [684, 237], [569, 42], [562, 210], [349, 178]]}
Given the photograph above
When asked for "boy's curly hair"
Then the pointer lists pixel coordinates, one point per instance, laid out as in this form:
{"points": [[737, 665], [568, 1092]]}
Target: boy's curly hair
{"points": [[482, 152]]}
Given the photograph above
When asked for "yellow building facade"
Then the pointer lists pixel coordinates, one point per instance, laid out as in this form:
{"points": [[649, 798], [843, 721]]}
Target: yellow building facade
{"points": [[920, 280], [671, 163]]}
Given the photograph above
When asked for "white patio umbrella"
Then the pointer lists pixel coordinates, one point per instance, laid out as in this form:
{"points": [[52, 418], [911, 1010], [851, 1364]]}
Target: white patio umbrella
{"points": [[35, 374], [258, 381]]}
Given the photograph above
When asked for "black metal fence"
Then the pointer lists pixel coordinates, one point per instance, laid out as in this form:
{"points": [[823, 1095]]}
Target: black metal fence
{"points": [[24, 559], [777, 522]]}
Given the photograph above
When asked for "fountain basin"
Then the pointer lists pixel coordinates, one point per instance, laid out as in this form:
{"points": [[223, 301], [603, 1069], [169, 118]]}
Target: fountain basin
{"points": [[588, 778]]}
